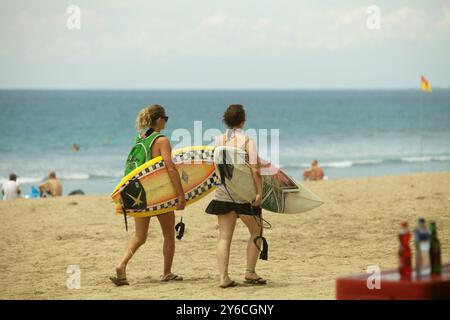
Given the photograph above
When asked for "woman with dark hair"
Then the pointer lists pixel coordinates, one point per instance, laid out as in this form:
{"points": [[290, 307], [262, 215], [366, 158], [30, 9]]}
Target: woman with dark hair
{"points": [[228, 206]]}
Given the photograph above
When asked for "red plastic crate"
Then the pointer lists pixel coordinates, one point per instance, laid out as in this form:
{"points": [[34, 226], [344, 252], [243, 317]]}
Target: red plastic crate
{"points": [[393, 288]]}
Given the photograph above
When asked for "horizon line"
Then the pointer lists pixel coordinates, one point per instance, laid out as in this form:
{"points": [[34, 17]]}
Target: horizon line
{"points": [[216, 89]]}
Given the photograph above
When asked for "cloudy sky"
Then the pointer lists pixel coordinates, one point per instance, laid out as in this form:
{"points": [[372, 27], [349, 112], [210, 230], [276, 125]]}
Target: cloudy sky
{"points": [[181, 44]]}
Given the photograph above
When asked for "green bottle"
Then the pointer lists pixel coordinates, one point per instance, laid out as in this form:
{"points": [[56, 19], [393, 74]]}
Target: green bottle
{"points": [[435, 250]]}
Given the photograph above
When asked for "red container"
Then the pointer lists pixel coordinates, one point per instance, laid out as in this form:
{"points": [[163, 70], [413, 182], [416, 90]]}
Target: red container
{"points": [[404, 253], [392, 287]]}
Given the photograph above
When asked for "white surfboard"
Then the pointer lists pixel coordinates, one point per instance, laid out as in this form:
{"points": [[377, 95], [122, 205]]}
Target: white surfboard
{"points": [[281, 193]]}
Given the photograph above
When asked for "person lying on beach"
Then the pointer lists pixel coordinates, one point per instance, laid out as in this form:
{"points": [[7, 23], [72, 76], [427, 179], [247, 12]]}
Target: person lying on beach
{"points": [[151, 121], [315, 172], [228, 206], [51, 187], [11, 189]]}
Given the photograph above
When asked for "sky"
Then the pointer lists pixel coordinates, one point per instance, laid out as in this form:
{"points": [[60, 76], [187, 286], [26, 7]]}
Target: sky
{"points": [[211, 44]]}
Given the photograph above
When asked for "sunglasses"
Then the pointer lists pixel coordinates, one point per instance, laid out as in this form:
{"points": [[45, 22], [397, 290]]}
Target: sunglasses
{"points": [[166, 118]]}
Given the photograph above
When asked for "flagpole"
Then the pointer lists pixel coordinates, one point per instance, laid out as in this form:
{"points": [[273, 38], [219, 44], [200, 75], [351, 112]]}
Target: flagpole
{"points": [[421, 130]]}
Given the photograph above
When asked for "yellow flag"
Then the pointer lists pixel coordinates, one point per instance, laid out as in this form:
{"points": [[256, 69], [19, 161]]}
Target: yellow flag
{"points": [[424, 84]]}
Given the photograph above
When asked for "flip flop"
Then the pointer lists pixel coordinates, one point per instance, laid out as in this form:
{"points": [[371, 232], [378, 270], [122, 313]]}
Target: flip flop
{"points": [[229, 285], [171, 277], [259, 281], [119, 281]]}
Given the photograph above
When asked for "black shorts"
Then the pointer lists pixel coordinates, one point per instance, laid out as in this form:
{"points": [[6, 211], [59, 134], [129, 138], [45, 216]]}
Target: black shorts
{"points": [[222, 207]]}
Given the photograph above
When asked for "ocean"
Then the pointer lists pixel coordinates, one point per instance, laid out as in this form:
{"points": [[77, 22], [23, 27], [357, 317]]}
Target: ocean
{"points": [[352, 133]]}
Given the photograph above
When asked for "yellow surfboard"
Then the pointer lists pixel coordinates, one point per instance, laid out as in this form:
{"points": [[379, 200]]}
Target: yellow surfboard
{"points": [[148, 191]]}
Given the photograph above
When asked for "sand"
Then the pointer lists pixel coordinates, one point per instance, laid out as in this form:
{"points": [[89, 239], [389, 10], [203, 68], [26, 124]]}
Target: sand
{"points": [[357, 227]]}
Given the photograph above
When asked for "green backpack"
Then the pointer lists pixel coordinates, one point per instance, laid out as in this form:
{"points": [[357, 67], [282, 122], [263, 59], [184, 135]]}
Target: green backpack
{"points": [[141, 152]]}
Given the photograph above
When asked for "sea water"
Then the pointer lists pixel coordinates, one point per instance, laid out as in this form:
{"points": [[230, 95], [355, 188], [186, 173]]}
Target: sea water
{"points": [[352, 133]]}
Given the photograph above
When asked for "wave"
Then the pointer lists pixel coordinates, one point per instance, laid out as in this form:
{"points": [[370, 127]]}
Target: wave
{"points": [[341, 164], [106, 175], [87, 176], [425, 159], [23, 180], [66, 177], [368, 161], [75, 176], [27, 179], [442, 158], [338, 164]]}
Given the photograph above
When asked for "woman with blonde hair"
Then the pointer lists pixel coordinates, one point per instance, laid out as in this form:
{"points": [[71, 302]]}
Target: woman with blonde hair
{"points": [[228, 206], [150, 122]]}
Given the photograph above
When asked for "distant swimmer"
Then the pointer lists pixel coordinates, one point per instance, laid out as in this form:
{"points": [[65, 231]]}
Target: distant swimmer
{"points": [[75, 147], [11, 189], [51, 187], [315, 172]]}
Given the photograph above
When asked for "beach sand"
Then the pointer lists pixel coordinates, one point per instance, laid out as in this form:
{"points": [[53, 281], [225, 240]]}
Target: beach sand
{"points": [[356, 227]]}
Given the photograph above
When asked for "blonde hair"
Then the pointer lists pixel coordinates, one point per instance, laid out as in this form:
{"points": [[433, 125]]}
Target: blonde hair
{"points": [[147, 116]]}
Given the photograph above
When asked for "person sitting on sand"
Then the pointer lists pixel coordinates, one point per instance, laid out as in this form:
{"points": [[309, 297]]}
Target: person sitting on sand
{"points": [[11, 189], [228, 206], [151, 120], [51, 187], [315, 172]]}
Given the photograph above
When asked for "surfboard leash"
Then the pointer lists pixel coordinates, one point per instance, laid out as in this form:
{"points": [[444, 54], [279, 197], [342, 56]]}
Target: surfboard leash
{"points": [[125, 218], [180, 229], [265, 246], [264, 250]]}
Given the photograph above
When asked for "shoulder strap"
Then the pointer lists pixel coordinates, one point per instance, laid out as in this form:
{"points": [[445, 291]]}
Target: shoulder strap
{"points": [[148, 142], [223, 140], [247, 156]]}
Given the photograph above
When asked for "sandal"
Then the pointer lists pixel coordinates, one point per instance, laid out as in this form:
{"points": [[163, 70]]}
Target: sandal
{"points": [[119, 281], [259, 281], [230, 284], [171, 277]]}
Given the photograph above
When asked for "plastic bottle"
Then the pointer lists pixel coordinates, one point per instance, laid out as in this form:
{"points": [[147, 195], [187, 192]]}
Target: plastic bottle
{"points": [[435, 250], [422, 244], [404, 252]]}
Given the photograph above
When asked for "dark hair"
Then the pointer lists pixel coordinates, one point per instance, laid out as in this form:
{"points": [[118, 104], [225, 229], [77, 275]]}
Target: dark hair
{"points": [[234, 115], [12, 177]]}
